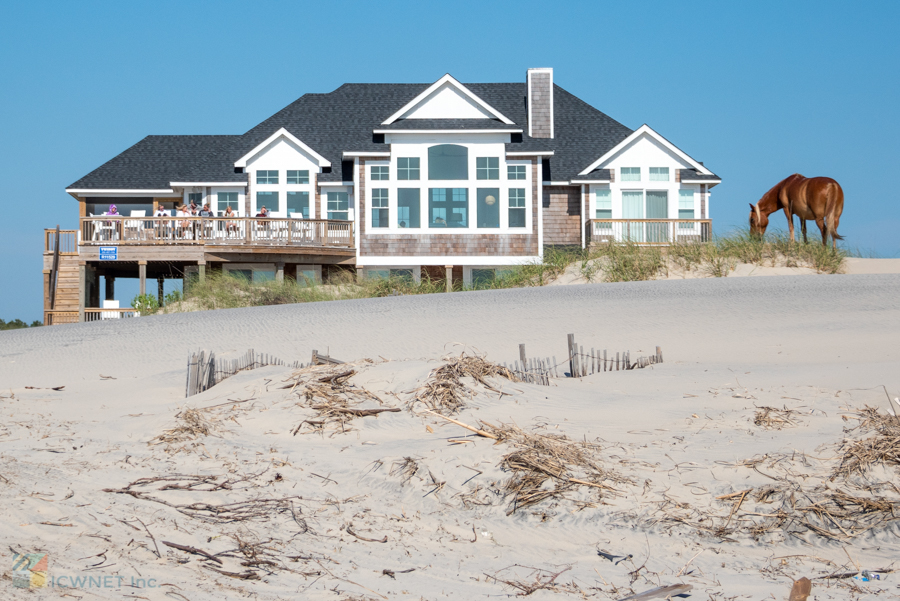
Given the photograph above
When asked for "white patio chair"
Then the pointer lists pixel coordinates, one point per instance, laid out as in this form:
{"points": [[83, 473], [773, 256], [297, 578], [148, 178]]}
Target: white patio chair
{"points": [[133, 226], [103, 230], [110, 304]]}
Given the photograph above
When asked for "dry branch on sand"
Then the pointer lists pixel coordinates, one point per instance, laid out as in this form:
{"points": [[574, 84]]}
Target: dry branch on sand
{"points": [[326, 389], [791, 504], [191, 425], [545, 466], [148, 489], [771, 418], [858, 456], [538, 579], [406, 469], [445, 393]]}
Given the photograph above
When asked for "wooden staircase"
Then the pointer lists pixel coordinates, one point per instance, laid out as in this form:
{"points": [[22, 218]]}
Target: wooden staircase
{"points": [[61, 245], [67, 284]]}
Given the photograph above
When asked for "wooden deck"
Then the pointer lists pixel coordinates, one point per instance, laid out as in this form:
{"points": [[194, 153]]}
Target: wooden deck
{"points": [[215, 231]]}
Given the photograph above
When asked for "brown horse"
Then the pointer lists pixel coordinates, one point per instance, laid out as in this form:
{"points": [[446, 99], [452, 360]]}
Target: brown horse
{"points": [[818, 198]]}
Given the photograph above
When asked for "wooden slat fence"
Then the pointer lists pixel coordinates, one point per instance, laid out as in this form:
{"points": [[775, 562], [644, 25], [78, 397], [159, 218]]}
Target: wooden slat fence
{"points": [[534, 371], [204, 371], [583, 363]]}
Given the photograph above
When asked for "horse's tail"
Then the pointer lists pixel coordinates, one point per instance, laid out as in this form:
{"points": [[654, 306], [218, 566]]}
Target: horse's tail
{"points": [[833, 210]]}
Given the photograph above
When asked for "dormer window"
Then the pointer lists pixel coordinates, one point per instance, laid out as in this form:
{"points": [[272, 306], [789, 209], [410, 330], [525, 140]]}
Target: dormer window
{"points": [[448, 162], [631, 174], [296, 177], [659, 174], [267, 177]]}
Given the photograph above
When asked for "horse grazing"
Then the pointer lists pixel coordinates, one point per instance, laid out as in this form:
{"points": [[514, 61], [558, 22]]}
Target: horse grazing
{"points": [[818, 198]]}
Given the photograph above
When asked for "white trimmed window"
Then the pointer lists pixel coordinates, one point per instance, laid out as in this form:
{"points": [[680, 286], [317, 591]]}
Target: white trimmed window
{"points": [[380, 207], [267, 177], [381, 173], [630, 174], [515, 172], [408, 168], [487, 168], [338, 205], [297, 177], [603, 208], [227, 199], [659, 174], [685, 207], [517, 207]]}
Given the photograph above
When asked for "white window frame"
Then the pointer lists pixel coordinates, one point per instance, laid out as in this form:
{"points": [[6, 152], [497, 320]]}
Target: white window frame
{"points": [[661, 175], [299, 172], [630, 176], [267, 177]]}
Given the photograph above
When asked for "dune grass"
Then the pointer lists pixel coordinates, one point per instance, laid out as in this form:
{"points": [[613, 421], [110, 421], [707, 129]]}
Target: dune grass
{"points": [[626, 262]]}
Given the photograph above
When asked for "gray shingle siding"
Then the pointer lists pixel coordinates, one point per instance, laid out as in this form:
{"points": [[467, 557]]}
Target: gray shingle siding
{"points": [[344, 120]]}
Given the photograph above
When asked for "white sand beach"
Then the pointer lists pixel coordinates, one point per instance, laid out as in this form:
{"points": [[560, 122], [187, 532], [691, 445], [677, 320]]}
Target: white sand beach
{"points": [[687, 488]]}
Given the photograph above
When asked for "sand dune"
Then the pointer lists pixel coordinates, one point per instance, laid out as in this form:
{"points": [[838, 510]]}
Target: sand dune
{"points": [[668, 440]]}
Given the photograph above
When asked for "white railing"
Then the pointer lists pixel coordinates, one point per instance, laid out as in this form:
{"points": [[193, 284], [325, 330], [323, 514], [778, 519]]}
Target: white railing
{"points": [[114, 231], [650, 231], [95, 314]]}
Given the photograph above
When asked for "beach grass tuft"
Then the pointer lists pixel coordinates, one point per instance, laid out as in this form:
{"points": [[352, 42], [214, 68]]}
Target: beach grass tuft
{"points": [[626, 262]]}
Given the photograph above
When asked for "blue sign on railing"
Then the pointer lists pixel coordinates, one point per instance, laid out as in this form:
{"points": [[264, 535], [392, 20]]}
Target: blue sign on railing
{"points": [[109, 253]]}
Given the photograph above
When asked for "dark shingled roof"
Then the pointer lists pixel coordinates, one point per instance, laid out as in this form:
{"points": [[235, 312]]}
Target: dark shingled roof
{"points": [[597, 174], [155, 161], [344, 120], [693, 174]]}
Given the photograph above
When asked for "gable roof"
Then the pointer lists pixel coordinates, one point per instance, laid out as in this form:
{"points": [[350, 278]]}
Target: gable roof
{"points": [[648, 131], [447, 81], [282, 133], [346, 120]]}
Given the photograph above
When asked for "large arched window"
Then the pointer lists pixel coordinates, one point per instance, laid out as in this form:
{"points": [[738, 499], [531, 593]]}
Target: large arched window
{"points": [[448, 161]]}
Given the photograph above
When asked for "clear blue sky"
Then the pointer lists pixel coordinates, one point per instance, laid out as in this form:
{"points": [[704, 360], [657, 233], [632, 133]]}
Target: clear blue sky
{"points": [[756, 90]]}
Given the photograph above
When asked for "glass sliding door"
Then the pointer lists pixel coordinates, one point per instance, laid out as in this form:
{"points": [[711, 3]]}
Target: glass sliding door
{"points": [[657, 208], [633, 208]]}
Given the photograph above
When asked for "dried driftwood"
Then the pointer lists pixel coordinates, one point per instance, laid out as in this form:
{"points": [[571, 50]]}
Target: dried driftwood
{"points": [[444, 391]]}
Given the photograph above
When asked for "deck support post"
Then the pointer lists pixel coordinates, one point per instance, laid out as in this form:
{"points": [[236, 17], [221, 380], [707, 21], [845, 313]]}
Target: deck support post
{"points": [[47, 279], [279, 272], [449, 269], [160, 290], [201, 269], [360, 273], [82, 281], [142, 276], [110, 282]]}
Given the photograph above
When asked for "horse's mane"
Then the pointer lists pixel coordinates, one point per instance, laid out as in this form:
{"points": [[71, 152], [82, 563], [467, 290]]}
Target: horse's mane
{"points": [[769, 200]]}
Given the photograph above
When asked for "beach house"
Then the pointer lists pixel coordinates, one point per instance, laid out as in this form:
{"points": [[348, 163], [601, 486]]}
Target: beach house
{"points": [[445, 180]]}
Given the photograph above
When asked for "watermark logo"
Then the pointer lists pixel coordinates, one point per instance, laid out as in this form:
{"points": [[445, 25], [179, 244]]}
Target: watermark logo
{"points": [[30, 570]]}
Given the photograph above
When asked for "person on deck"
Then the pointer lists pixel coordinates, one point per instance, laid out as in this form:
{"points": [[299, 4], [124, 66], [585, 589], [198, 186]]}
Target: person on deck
{"points": [[230, 226], [113, 210]]}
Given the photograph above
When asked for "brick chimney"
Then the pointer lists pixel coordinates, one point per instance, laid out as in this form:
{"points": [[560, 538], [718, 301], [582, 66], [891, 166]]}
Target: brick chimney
{"points": [[539, 83]]}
